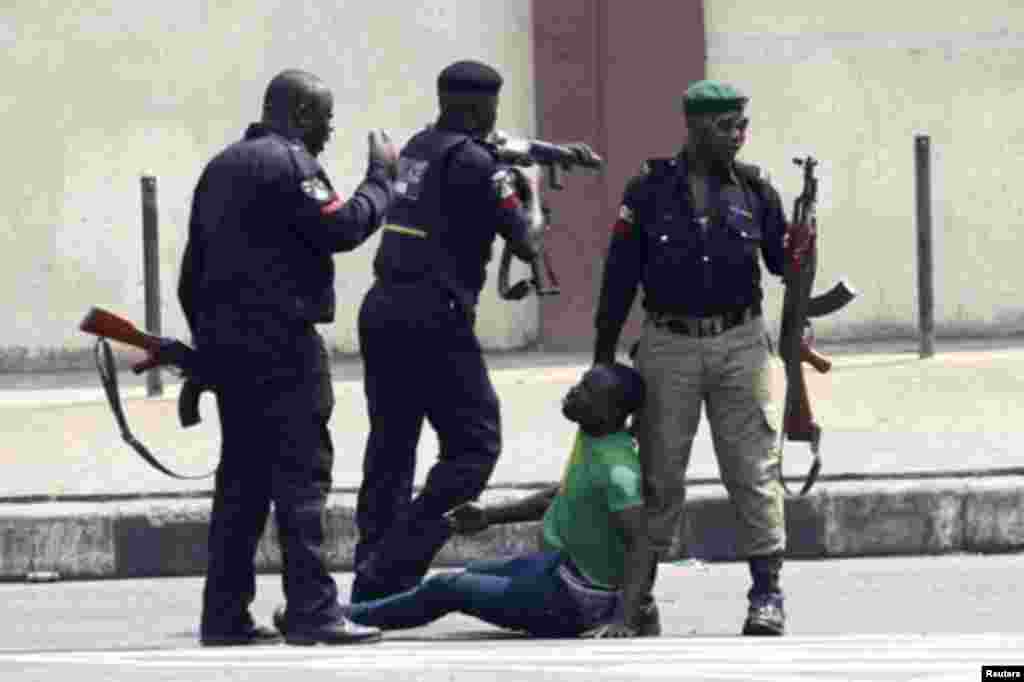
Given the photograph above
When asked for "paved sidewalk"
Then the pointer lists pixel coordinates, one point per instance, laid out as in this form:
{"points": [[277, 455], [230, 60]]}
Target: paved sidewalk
{"points": [[920, 456]]}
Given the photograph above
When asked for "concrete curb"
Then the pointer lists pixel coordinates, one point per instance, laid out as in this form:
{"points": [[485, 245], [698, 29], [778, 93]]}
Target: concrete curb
{"points": [[167, 537]]}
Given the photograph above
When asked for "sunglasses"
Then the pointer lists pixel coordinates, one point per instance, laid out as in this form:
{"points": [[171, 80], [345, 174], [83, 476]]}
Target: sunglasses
{"points": [[726, 124]]}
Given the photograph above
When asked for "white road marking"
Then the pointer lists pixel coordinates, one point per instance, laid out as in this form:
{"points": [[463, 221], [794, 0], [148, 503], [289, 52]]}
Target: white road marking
{"points": [[922, 658]]}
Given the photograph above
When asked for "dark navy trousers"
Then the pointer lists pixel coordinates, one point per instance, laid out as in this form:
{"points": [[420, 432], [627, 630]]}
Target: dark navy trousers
{"points": [[275, 448], [422, 362]]}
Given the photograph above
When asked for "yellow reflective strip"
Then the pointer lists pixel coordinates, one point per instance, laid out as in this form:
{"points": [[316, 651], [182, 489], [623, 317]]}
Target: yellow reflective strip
{"points": [[411, 231]]}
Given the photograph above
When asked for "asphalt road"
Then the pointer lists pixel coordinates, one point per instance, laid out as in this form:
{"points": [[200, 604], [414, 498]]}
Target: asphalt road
{"points": [[929, 619]]}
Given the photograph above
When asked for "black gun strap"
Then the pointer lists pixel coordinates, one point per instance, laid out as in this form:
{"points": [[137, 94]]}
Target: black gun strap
{"points": [[108, 376], [812, 473]]}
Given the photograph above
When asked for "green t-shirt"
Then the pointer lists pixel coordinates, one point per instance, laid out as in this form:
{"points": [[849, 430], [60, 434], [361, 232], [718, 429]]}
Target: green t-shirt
{"points": [[601, 477]]}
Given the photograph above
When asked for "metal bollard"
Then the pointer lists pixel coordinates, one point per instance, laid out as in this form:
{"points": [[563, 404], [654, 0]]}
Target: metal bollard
{"points": [[151, 274], [925, 291]]}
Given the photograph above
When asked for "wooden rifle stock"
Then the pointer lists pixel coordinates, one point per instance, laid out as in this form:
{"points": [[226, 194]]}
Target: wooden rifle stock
{"points": [[108, 325], [799, 419], [159, 352], [800, 424], [100, 322]]}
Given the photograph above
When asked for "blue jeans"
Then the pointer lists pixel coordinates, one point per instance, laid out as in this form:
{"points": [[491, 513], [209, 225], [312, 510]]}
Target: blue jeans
{"points": [[525, 593]]}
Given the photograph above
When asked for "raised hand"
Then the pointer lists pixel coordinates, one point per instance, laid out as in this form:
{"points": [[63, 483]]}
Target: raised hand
{"points": [[383, 153]]}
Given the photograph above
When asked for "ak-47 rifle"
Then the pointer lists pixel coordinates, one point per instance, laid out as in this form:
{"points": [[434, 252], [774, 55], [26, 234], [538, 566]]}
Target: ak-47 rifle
{"points": [[160, 352], [798, 306], [555, 159]]}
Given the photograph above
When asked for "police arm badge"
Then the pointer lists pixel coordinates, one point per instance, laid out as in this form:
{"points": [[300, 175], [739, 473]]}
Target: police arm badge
{"points": [[505, 189], [624, 224], [316, 189]]}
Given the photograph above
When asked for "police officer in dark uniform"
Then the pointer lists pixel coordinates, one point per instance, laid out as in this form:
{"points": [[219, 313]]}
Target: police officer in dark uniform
{"points": [[256, 278], [421, 356], [690, 230]]}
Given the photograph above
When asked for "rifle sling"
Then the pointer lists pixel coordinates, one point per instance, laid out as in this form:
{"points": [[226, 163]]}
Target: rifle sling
{"points": [[812, 476], [108, 376]]}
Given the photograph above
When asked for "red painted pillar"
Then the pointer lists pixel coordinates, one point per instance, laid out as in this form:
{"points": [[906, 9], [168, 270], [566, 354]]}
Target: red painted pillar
{"points": [[610, 73]]}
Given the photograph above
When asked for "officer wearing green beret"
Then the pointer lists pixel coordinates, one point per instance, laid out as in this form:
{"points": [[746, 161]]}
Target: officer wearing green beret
{"points": [[691, 231]]}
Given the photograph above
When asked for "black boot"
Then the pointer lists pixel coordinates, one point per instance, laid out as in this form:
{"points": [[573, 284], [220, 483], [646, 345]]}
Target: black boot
{"points": [[650, 617], [766, 614]]}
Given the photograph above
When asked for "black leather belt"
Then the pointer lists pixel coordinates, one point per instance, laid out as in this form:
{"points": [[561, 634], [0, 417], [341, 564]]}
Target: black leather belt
{"points": [[403, 278], [712, 325]]}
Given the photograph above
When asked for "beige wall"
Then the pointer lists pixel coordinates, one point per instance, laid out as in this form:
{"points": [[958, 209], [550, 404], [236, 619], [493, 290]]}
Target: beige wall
{"points": [[852, 83], [98, 94]]}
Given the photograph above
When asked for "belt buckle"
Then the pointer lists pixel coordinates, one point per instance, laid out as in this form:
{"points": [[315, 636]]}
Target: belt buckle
{"points": [[710, 326], [679, 326]]}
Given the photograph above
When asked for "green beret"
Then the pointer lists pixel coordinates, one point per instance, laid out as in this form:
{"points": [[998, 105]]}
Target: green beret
{"points": [[469, 76], [712, 97]]}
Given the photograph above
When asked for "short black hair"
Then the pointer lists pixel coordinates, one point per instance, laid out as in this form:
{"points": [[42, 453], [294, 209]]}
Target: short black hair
{"points": [[629, 386], [288, 90]]}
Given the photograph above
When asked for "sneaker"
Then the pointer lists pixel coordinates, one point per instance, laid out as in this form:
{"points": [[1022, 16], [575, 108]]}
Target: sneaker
{"points": [[254, 635], [766, 615]]}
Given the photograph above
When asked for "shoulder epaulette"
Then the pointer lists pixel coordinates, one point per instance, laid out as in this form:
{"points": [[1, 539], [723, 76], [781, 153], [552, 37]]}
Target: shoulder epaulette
{"points": [[660, 166], [302, 160]]}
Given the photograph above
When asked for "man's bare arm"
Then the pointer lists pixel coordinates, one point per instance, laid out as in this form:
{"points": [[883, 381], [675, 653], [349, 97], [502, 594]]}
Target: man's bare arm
{"points": [[638, 561], [473, 518]]}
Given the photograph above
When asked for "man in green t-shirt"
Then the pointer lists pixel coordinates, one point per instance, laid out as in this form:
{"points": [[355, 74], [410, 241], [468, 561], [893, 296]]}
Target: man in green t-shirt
{"points": [[592, 577]]}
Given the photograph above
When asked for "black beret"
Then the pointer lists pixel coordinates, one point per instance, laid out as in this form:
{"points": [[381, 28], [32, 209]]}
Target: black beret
{"points": [[469, 76]]}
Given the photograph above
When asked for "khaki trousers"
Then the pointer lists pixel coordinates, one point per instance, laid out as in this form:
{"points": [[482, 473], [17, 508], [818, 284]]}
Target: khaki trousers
{"points": [[730, 375]]}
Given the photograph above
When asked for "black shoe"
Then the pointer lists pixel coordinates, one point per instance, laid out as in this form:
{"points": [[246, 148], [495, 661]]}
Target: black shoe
{"points": [[650, 620], [279, 620], [766, 615], [340, 631], [255, 634]]}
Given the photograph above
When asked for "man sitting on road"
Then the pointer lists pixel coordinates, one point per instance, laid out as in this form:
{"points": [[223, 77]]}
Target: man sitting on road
{"points": [[592, 576]]}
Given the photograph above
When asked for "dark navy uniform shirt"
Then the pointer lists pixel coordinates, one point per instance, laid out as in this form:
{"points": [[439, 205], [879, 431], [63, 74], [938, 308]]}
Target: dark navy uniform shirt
{"points": [[689, 264], [258, 270], [452, 199]]}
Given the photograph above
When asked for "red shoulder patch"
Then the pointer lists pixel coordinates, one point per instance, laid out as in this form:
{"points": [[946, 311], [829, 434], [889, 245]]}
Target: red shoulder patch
{"points": [[332, 207], [624, 225]]}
